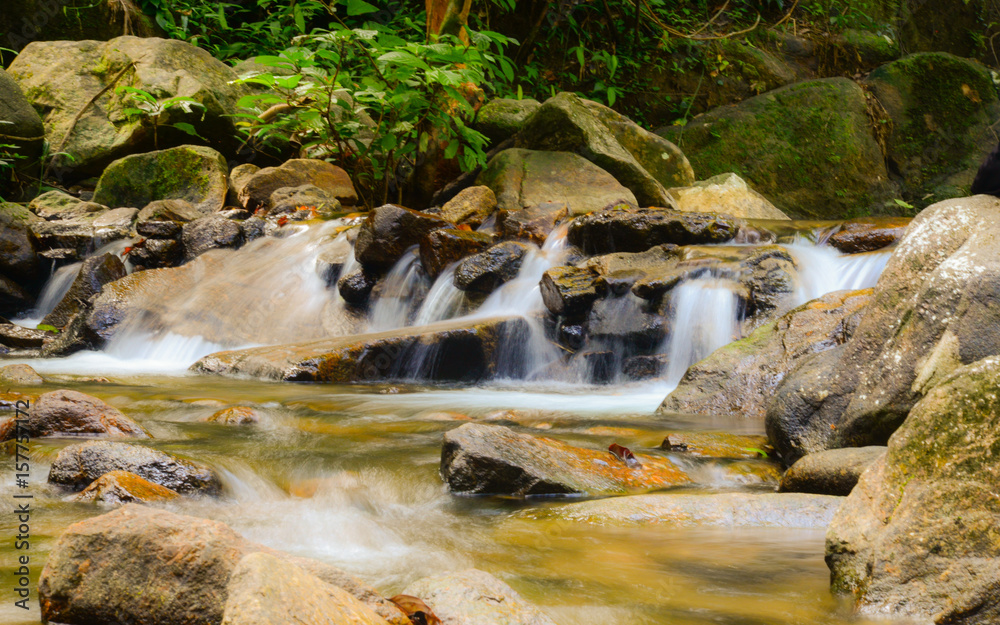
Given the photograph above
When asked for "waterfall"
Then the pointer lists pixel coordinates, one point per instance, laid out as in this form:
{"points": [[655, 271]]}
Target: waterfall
{"points": [[395, 298], [443, 301], [706, 315], [523, 295], [823, 269]]}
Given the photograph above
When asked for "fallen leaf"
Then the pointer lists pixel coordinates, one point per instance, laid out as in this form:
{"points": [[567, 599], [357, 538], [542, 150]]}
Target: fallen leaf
{"points": [[416, 610], [625, 455]]}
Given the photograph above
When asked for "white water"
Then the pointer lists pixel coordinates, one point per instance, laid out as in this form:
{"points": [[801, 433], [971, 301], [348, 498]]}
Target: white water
{"points": [[443, 301], [399, 289], [523, 295], [822, 270], [707, 315]]}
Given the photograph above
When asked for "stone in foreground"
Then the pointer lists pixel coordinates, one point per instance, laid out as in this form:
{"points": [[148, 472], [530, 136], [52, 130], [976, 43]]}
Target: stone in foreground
{"points": [[463, 350], [791, 510], [267, 590], [121, 487], [138, 564], [474, 597], [830, 472], [480, 459], [72, 413]]}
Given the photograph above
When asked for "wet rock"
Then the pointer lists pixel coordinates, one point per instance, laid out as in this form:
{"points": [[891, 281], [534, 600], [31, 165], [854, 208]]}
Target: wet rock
{"points": [[265, 589], [238, 177], [472, 206], [572, 335], [18, 255], [787, 510], [487, 270], [739, 379], [460, 350], [627, 323], [75, 336], [317, 201], [195, 174], [569, 290], [76, 236], [941, 108], [208, 233], [356, 286], [163, 219], [71, 413], [443, 247], [645, 367], [23, 133], [156, 253], [830, 472], [20, 375], [94, 274], [58, 205], [480, 459], [117, 488], [525, 178], [502, 118], [531, 224], [113, 225], [807, 147], [644, 163], [867, 234], [258, 187], [19, 337], [78, 465], [637, 230], [717, 444], [62, 77], [13, 297], [139, 546], [389, 231], [917, 535], [237, 415], [726, 194], [932, 312], [474, 597]]}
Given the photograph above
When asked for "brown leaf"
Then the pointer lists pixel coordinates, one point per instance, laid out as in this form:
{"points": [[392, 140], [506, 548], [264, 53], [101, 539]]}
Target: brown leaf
{"points": [[625, 455], [416, 610]]}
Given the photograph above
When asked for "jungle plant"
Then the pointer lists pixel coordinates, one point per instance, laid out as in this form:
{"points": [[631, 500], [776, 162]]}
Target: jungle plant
{"points": [[144, 106]]}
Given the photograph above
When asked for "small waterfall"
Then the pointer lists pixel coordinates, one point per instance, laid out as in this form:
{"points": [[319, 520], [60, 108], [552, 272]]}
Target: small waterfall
{"points": [[443, 301], [823, 269], [522, 295], [397, 295], [706, 316]]}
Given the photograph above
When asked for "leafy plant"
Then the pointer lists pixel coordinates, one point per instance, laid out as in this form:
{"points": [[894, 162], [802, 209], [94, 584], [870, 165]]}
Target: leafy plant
{"points": [[142, 105]]}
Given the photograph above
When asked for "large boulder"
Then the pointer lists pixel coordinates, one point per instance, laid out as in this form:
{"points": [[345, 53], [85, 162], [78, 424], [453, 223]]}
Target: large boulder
{"points": [[257, 188], [265, 589], [389, 231], [209, 233], [474, 597], [932, 311], [807, 147], [480, 459], [95, 272], [727, 194], [524, 179], [459, 351], [195, 174], [942, 110], [72, 413], [183, 565], [502, 118], [637, 230], [21, 127], [641, 161], [740, 378], [77, 466], [830, 472], [62, 77], [918, 534]]}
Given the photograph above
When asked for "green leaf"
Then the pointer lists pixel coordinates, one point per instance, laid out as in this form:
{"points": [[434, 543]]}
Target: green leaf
{"points": [[903, 204], [44, 327], [188, 128], [359, 7]]}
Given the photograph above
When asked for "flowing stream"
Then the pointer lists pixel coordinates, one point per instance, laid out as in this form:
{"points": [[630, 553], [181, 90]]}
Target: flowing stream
{"points": [[349, 474]]}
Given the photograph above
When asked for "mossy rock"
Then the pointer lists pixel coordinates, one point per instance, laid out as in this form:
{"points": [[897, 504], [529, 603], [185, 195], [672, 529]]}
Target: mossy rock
{"points": [[941, 109], [502, 118], [808, 147], [196, 174]]}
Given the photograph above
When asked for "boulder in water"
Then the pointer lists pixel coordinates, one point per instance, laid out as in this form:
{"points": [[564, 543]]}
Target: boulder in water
{"points": [[830, 472], [235, 415], [917, 535], [740, 378], [94, 274], [77, 466], [195, 174], [209, 233], [644, 163], [480, 459], [474, 597], [389, 231], [867, 234], [356, 286], [184, 564], [569, 290], [19, 337], [533, 224], [637, 230], [72, 413], [265, 589], [522, 179], [257, 189], [20, 375], [117, 488], [726, 194], [487, 270], [443, 247], [472, 206]]}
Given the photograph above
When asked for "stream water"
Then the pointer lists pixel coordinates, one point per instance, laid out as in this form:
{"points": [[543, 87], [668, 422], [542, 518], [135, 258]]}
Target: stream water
{"points": [[349, 474]]}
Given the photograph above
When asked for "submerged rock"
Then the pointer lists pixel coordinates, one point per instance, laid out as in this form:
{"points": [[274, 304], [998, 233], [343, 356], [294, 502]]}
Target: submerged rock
{"points": [[474, 597], [739, 379], [717, 444], [236, 415], [118, 488], [265, 589], [918, 535], [461, 350], [183, 564], [787, 510], [71, 413], [522, 179], [78, 465], [726, 194], [389, 231], [480, 459], [192, 173], [637, 230], [487, 270], [830, 472]]}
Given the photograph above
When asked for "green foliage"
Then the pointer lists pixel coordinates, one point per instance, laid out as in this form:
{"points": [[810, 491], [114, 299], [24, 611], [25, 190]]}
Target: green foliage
{"points": [[144, 106], [369, 99]]}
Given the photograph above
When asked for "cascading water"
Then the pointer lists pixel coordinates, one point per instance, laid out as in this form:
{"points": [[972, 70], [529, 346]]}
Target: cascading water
{"points": [[443, 301], [398, 294], [706, 316], [822, 269]]}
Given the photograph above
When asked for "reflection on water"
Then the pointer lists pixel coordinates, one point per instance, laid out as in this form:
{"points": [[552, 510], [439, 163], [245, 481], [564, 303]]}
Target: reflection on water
{"points": [[350, 476]]}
